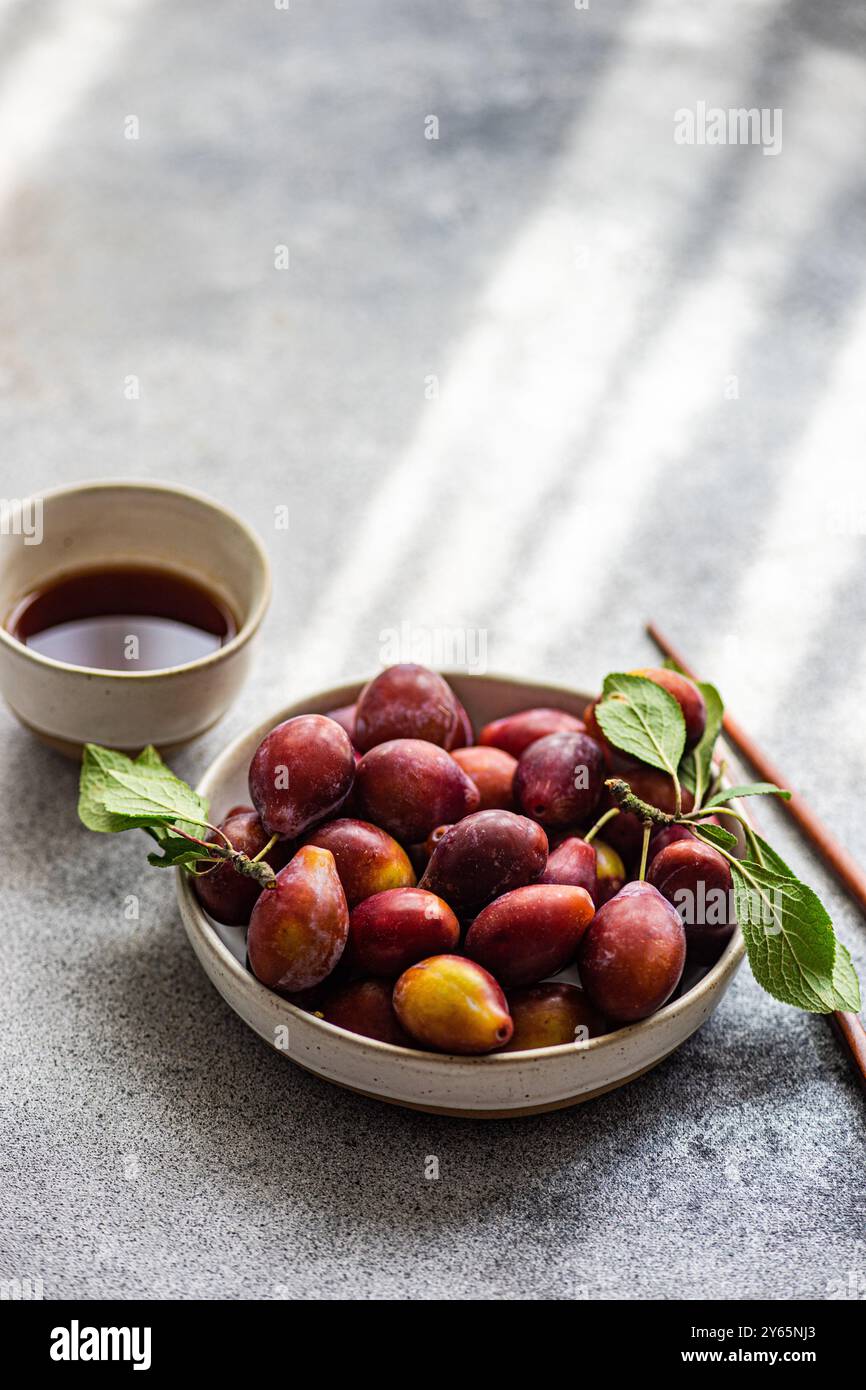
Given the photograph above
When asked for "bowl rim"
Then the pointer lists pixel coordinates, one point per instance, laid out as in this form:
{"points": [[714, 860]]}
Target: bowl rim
{"points": [[197, 920], [245, 632]]}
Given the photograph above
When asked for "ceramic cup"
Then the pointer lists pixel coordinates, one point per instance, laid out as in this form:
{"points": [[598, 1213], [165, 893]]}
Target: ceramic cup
{"points": [[95, 524]]}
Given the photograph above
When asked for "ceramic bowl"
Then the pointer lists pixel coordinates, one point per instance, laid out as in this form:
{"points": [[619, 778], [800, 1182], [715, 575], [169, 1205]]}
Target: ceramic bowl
{"points": [[509, 1084], [93, 524]]}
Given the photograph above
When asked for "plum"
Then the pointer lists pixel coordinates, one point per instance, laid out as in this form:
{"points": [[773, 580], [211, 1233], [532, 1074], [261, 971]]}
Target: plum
{"points": [[610, 872], [433, 839], [667, 835], [492, 770], [573, 862], [453, 1005], [368, 859], [365, 1007], [408, 787], [516, 732], [392, 930], [632, 956], [301, 772], [464, 734], [344, 715], [486, 854], [530, 932], [687, 696], [420, 854], [559, 778], [407, 701], [697, 880], [299, 928], [550, 1014], [228, 896]]}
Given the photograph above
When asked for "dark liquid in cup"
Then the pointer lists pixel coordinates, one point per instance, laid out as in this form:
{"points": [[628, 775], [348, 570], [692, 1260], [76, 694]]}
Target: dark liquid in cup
{"points": [[125, 618]]}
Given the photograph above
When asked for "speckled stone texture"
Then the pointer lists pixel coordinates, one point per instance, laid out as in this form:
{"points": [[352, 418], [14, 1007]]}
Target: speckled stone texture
{"points": [[539, 379]]}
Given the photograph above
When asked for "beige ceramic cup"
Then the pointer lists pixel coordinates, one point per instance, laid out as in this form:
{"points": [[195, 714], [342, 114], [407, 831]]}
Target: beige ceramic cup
{"points": [[89, 525]]}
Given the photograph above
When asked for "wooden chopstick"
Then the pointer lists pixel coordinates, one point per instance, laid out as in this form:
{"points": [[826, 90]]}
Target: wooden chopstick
{"points": [[847, 1026]]}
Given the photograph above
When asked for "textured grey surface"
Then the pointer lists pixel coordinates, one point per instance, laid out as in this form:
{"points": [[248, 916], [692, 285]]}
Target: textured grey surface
{"points": [[584, 290]]}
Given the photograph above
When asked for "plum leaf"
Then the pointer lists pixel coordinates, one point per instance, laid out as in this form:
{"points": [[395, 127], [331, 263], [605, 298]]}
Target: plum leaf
{"points": [[176, 851], [117, 793], [697, 765], [715, 835], [747, 789], [642, 719], [790, 941]]}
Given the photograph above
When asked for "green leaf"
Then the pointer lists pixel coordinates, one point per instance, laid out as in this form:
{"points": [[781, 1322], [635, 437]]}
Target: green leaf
{"points": [[845, 982], [176, 850], [149, 757], [97, 768], [642, 719], [770, 859], [715, 835], [748, 789], [789, 939], [696, 769], [153, 796], [118, 794]]}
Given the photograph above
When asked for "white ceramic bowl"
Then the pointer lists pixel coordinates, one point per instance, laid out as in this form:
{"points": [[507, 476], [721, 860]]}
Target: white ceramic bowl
{"points": [[512, 1083], [89, 525]]}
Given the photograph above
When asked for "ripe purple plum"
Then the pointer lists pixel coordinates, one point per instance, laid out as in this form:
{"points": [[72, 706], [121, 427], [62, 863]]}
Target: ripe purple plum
{"points": [[492, 770], [632, 957], [687, 696], [368, 859], [530, 932], [550, 1014], [365, 1007], [452, 1004], [464, 734], [433, 839], [395, 929], [697, 881], [559, 779], [344, 715], [301, 772], [573, 863], [420, 854], [299, 928], [228, 896], [408, 787], [407, 701], [610, 871], [667, 835], [516, 732], [485, 855]]}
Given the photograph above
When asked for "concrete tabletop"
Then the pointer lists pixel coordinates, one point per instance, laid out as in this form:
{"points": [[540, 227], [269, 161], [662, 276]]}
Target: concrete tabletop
{"points": [[441, 281]]}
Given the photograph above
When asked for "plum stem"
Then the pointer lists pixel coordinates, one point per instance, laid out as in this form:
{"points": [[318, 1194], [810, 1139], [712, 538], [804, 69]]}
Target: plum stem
{"points": [[194, 840], [267, 849], [622, 793], [240, 862], [603, 820], [251, 868], [644, 850]]}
